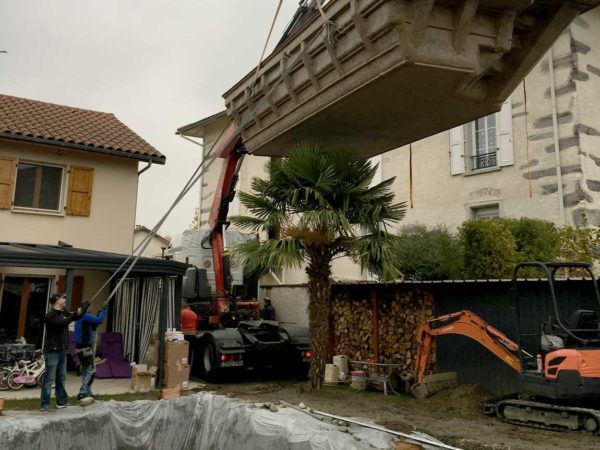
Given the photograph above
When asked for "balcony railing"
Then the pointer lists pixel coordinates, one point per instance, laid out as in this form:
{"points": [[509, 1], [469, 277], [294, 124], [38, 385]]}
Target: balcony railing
{"points": [[484, 160]]}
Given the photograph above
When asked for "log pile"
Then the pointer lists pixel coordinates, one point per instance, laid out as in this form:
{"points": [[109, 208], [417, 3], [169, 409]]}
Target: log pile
{"points": [[393, 339]]}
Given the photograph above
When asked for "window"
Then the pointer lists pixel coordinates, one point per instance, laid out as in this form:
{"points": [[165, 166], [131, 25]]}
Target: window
{"points": [[486, 212], [485, 143], [38, 186]]}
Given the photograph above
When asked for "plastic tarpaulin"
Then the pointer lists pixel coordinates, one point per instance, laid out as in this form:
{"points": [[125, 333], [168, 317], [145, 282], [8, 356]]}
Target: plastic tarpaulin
{"points": [[200, 421]]}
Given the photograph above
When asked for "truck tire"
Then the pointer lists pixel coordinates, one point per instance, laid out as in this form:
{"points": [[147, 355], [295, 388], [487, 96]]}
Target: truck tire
{"points": [[208, 359]]}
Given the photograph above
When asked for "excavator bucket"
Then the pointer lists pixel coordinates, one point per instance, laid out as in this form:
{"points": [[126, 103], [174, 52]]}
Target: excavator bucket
{"points": [[434, 383]]}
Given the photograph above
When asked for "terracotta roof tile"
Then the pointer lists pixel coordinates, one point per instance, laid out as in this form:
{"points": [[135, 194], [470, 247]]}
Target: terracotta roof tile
{"points": [[82, 128]]}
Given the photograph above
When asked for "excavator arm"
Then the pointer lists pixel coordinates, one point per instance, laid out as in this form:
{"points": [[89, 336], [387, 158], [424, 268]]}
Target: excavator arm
{"points": [[467, 324]]}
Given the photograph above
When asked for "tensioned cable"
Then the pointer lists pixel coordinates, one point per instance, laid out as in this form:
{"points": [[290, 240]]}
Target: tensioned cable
{"points": [[202, 167], [268, 39], [146, 241]]}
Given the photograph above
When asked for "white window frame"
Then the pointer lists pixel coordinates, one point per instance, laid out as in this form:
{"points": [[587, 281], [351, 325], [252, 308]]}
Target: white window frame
{"points": [[61, 195], [463, 141], [488, 149], [489, 207]]}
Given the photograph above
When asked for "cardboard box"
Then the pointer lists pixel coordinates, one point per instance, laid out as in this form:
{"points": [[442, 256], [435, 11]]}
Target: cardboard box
{"points": [[176, 375], [142, 376], [168, 393], [176, 352]]}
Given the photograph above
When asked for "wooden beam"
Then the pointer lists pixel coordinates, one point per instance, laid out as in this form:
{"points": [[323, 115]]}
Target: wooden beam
{"points": [[375, 305], [23, 307]]}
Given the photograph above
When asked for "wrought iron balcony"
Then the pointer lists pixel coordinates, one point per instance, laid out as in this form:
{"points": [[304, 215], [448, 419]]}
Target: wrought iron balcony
{"points": [[484, 160]]}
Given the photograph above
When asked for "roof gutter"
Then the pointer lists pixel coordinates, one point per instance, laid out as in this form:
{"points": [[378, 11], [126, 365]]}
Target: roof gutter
{"points": [[87, 148], [191, 140]]}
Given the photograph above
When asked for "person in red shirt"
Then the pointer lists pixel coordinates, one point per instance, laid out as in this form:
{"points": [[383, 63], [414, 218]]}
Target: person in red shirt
{"points": [[189, 319]]}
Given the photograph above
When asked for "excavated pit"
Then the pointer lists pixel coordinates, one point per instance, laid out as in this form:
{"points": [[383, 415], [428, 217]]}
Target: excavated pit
{"points": [[203, 421]]}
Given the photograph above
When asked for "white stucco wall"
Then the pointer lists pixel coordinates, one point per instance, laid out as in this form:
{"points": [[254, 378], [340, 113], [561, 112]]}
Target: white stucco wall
{"points": [[155, 246], [112, 218], [290, 302]]}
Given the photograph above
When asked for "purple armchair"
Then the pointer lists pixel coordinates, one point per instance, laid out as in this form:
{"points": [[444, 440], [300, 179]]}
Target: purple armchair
{"points": [[115, 366]]}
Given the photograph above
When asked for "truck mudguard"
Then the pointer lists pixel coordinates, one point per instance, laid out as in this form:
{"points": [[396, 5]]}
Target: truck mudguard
{"points": [[227, 340]]}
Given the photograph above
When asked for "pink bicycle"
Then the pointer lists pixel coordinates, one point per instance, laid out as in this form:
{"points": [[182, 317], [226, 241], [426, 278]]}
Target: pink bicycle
{"points": [[27, 373]]}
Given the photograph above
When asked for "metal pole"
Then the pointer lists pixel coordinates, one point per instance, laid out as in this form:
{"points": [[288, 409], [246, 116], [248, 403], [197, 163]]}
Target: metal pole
{"points": [[70, 280], [177, 301], [162, 329]]}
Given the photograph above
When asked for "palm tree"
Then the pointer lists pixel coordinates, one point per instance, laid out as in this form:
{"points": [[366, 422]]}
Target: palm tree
{"points": [[320, 205]]}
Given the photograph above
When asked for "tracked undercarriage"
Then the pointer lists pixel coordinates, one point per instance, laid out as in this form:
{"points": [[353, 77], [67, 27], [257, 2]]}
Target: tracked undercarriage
{"points": [[544, 415]]}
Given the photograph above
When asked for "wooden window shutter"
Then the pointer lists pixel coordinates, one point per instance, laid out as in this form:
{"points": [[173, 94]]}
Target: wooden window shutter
{"points": [[79, 198], [505, 135], [457, 150], [77, 297], [8, 169]]}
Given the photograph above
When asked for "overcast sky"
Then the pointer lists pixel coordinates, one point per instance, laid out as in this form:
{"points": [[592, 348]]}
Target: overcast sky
{"points": [[155, 64]]}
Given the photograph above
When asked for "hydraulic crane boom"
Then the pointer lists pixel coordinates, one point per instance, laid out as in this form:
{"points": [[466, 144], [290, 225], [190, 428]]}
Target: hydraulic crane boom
{"points": [[229, 147], [470, 325]]}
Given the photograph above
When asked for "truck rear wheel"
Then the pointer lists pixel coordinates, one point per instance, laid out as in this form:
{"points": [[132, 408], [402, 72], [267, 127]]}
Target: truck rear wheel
{"points": [[208, 359]]}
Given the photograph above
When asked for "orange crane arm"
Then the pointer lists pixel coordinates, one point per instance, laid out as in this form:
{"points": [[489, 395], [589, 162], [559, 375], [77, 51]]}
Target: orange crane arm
{"points": [[470, 325], [226, 147]]}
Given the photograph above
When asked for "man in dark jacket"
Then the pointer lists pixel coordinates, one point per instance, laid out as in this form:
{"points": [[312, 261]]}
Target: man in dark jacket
{"points": [[269, 310], [56, 345], [84, 343]]}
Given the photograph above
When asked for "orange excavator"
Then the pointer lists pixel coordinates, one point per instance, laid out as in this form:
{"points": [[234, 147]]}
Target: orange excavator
{"points": [[558, 384]]}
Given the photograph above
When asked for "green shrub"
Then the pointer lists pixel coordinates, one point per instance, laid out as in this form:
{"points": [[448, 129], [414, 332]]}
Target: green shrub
{"points": [[429, 254], [579, 244], [537, 240], [489, 248]]}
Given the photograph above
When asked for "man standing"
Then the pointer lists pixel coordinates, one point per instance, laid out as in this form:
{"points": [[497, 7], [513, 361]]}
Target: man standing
{"points": [[56, 344], [269, 310], [189, 319], [84, 343]]}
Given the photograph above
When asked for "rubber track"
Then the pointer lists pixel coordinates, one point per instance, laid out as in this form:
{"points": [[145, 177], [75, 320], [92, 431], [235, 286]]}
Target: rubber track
{"points": [[544, 407]]}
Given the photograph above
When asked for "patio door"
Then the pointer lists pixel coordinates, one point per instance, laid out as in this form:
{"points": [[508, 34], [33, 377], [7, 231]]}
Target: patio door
{"points": [[23, 307]]}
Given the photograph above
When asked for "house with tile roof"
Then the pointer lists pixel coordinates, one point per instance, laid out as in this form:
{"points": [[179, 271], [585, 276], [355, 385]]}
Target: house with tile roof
{"points": [[157, 245], [68, 179]]}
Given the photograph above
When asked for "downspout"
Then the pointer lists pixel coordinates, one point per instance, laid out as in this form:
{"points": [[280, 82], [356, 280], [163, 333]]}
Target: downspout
{"points": [[137, 192], [561, 199], [145, 168]]}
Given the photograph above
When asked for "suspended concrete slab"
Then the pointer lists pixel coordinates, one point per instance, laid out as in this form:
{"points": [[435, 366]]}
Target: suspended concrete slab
{"points": [[378, 74]]}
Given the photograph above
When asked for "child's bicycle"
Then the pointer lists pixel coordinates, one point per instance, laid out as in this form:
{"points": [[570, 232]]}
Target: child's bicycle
{"points": [[27, 373], [4, 371]]}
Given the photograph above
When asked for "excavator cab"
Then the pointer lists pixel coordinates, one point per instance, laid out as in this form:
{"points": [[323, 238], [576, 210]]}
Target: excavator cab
{"points": [[568, 356], [556, 358]]}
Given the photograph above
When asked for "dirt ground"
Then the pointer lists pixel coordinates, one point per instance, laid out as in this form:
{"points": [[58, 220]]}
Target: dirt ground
{"points": [[454, 416]]}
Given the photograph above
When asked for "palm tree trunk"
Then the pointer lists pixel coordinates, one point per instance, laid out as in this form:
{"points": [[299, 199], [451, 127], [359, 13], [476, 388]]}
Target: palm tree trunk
{"points": [[319, 288]]}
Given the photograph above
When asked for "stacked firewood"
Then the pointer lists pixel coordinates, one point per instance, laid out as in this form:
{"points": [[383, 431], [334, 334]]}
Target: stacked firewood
{"points": [[400, 312]]}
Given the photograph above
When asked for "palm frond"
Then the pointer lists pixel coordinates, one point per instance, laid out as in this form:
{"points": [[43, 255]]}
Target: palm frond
{"points": [[258, 258], [376, 252]]}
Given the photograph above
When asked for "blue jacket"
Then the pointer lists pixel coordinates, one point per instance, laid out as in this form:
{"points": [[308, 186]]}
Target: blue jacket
{"points": [[84, 328]]}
